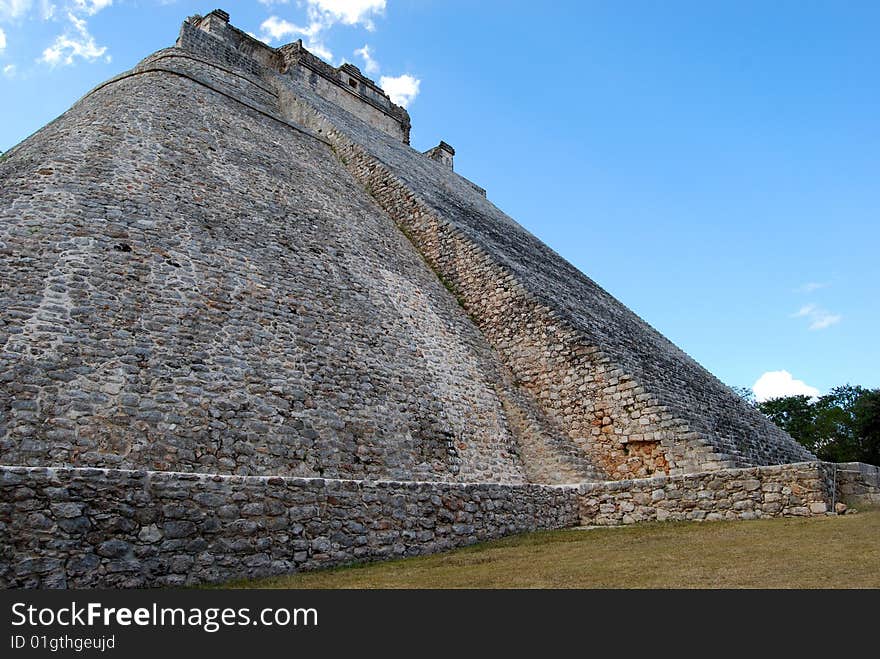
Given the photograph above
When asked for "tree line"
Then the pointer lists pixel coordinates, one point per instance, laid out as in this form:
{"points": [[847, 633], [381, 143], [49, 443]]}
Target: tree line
{"points": [[841, 426]]}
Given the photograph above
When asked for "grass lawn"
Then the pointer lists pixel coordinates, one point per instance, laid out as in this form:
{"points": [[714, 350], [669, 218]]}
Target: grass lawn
{"points": [[824, 552]]}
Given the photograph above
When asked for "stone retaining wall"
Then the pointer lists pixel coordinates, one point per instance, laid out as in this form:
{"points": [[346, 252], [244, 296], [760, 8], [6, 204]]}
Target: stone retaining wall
{"points": [[790, 490], [858, 483], [87, 528], [83, 528]]}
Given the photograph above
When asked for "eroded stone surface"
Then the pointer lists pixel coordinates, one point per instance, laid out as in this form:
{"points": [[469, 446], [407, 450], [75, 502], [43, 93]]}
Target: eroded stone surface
{"points": [[207, 276], [857, 483], [129, 529], [190, 285], [112, 528], [793, 490], [223, 286]]}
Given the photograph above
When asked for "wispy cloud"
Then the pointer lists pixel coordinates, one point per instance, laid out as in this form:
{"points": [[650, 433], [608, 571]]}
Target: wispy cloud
{"points": [[76, 43], [805, 310], [370, 64], [277, 29], [818, 317], [321, 15], [777, 384], [73, 43], [825, 320], [15, 10], [12, 9], [92, 7], [348, 12], [811, 287]]}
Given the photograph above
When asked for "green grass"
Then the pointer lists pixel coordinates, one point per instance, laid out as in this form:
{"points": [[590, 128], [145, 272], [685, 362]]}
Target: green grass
{"points": [[824, 552]]}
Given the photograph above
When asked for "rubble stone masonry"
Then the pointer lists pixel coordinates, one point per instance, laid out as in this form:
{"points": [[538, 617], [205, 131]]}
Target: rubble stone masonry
{"points": [[88, 528], [247, 329]]}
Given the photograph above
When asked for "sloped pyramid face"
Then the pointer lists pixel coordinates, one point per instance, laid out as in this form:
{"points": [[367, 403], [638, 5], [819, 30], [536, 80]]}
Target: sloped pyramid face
{"points": [[230, 261]]}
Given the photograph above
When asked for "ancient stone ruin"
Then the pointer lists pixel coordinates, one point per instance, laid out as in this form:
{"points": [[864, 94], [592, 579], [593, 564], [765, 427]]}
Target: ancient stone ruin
{"points": [[246, 329]]}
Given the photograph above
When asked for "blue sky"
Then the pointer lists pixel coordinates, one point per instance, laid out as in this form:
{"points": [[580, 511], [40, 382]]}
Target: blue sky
{"points": [[713, 165]]}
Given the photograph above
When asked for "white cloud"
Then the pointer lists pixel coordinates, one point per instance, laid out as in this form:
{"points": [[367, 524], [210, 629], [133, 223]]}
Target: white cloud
{"points": [[45, 9], [370, 64], [72, 44], [402, 89], [277, 29], [75, 41], [819, 318], [91, 7], [319, 49], [11, 9], [349, 12], [825, 320], [322, 15], [2, 41], [811, 287], [776, 384], [9, 71]]}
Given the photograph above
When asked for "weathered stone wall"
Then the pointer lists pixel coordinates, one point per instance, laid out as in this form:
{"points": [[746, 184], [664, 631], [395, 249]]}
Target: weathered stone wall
{"points": [[363, 100], [113, 528], [351, 102], [791, 490], [207, 267], [105, 528], [229, 218], [857, 483], [189, 283], [221, 43], [237, 85], [213, 38]]}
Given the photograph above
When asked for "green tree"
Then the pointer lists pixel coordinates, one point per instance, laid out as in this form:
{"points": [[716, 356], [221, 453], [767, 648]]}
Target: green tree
{"points": [[841, 426], [867, 426], [835, 424], [796, 415]]}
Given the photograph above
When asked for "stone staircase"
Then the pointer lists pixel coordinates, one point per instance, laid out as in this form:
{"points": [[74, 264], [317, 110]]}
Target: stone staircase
{"points": [[546, 453]]}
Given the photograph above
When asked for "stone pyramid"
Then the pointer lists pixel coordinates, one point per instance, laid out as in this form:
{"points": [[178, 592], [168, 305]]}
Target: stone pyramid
{"points": [[230, 261]]}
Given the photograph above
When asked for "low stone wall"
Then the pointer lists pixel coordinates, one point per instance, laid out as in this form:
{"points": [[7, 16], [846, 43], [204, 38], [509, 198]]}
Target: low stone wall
{"points": [[858, 483], [789, 490], [114, 528], [83, 528]]}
